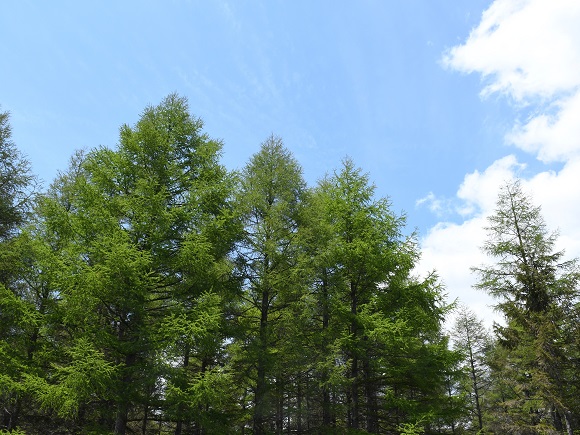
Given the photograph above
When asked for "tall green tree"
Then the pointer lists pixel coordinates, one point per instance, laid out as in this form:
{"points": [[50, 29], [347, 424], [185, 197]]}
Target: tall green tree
{"points": [[536, 291], [319, 321], [366, 238], [143, 234], [378, 325], [270, 204]]}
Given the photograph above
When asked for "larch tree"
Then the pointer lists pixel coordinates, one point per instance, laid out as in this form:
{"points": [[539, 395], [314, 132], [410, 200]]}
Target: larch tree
{"points": [[151, 291], [537, 291], [270, 204], [143, 232], [321, 313], [379, 326], [365, 238]]}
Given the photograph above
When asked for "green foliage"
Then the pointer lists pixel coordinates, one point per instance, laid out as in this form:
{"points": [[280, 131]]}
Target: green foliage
{"points": [[12, 432], [136, 239], [87, 377], [24, 302], [152, 291], [16, 183], [382, 325], [412, 428], [270, 204]]}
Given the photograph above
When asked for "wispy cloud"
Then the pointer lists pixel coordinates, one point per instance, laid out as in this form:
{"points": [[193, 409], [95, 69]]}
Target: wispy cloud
{"points": [[441, 207], [230, 15], [431, 201]]}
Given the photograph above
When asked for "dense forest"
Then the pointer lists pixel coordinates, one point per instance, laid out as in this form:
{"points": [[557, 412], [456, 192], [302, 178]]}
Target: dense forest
{"points": [[149, 290]]}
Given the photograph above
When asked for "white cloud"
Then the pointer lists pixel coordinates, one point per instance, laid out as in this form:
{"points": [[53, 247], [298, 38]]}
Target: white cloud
{"points": [[552, 137], [528, 51], [452, 249], [558, 193], [478, 192], [525, 48]]}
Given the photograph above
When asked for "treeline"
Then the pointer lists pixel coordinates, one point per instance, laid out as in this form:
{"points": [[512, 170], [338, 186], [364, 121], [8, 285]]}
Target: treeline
{"points": [[149, 290]]}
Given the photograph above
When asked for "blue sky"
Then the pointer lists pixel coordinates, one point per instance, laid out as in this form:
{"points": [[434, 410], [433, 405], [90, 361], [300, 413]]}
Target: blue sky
{"points": [[430, 97], [362, 79]]}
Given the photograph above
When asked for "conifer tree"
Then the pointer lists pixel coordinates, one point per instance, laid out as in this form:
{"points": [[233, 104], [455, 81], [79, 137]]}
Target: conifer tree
{"points": [[472, 339], [379, 326], [270, 204], [536, 291], [142, 234], [153, 292]]}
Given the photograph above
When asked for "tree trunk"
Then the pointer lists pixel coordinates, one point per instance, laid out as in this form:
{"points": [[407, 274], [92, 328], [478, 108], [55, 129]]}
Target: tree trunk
{"points": [[122, 415], [121, 418], [10, 417], [475, 388], [280, 406], [354, 409], [260, 404], [179, 423], [371, 399], [199, 429], [299, 406], [145, 420], [354, 396], [326, 416], [569, 428]]}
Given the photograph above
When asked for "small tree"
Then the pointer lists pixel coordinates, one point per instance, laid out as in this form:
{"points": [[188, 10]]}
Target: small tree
{"points": [[472, 339]]}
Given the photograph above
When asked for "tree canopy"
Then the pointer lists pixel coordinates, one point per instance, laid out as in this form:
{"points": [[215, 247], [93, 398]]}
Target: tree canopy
{"points": [[150, 290]]}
